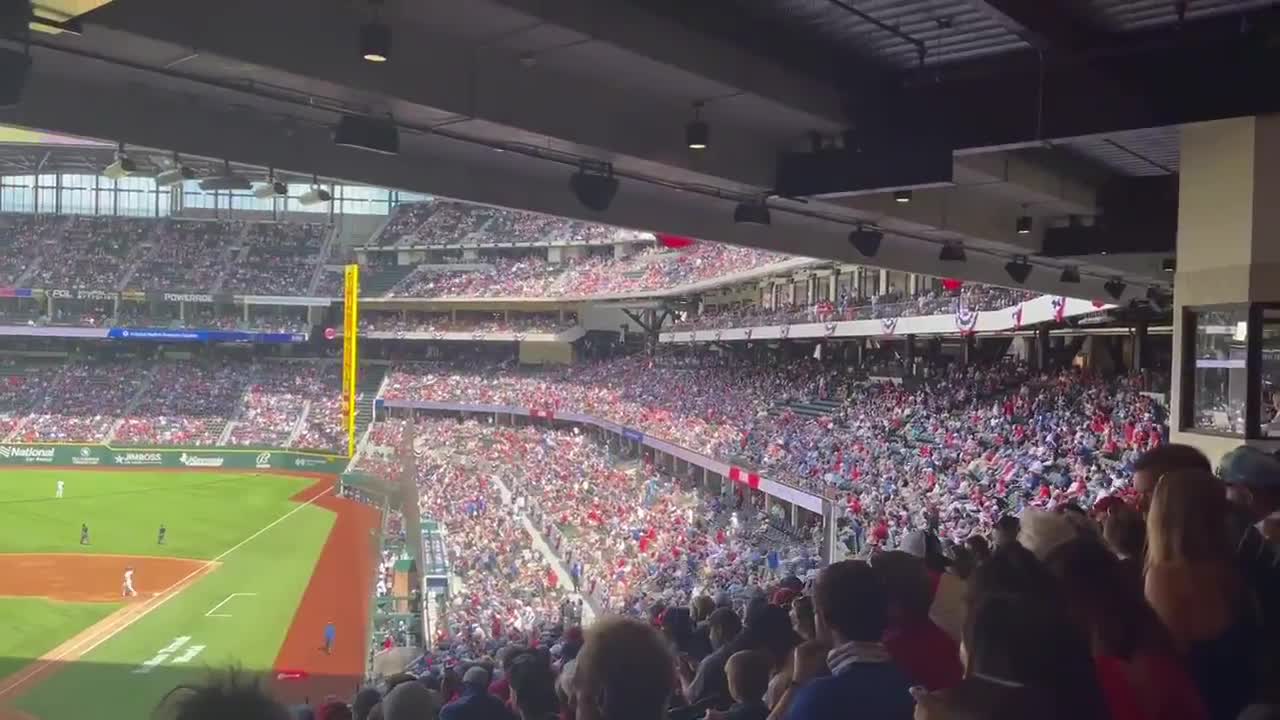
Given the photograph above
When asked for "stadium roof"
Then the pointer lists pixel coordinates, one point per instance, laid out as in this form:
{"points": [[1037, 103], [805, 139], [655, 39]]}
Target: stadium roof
{"points": [[987, 110]]}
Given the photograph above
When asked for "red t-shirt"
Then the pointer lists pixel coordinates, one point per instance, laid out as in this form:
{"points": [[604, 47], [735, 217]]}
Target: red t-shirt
{"points": [[925, 653]]}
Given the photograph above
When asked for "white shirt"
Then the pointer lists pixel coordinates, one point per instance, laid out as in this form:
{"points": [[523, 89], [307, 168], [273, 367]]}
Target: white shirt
{"points": [[128, 577]]}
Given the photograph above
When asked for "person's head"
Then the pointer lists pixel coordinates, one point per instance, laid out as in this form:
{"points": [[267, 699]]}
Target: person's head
{"points": [[723, 626], [1030, 642], [677, 627], [1006, 531], [364, 701], [334, 710], [533, 687], [410, 701], [802, 617], [1253, 480], [962, 561], [625, 672], [477, 677], [509, 653], [1187, 520], [850, 603], [1105, 602], [907, 584], [926, 546], [1012, 570], [701, 608], [1043, 532], [748, 672], [979, 548], [772, 633], [231, 695], [1160, 461], [1125, 531]]}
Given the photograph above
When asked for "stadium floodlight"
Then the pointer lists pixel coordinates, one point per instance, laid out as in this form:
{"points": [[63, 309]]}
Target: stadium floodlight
{"points": [[176, 175], [123, 167], [275, 188], [315, 196]]}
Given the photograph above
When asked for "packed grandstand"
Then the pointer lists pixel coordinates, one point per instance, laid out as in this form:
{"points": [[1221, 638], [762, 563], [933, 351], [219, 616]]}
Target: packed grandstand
{"points": [[715, 492]]}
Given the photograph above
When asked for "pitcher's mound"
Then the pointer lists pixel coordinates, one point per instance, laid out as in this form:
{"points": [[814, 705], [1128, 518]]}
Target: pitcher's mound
{"points": [[89, 578]]}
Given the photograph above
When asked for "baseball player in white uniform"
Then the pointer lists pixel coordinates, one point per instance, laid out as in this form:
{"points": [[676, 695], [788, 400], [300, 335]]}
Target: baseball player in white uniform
{"points": [[127, 590], [58, 492]]}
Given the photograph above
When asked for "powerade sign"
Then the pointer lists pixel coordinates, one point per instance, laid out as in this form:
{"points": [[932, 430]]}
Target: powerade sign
{"points": [[26, 454], [202, 336], [195, 459]]}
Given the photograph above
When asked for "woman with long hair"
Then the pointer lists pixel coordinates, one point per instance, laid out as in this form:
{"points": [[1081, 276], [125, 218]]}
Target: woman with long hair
{"points": [[1193, 584]]}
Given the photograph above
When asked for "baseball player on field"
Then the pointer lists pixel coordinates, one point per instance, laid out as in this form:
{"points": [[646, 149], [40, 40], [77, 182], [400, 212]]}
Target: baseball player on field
{"points": [[58, 492], [127, 589]]}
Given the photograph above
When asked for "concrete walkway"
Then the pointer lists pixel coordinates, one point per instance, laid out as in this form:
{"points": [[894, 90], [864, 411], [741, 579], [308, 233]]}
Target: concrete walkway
{"points": [[589, 609]]}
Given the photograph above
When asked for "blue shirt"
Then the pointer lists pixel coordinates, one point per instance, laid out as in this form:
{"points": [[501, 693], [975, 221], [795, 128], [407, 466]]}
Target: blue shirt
{"points": [[865, 691]]}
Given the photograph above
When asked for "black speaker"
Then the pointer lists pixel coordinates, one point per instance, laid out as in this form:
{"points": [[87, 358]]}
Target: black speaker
{"points": [[14, 66]]}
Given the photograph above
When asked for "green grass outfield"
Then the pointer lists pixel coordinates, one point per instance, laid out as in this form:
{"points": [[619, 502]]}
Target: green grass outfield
{"points": [[206, 514]]}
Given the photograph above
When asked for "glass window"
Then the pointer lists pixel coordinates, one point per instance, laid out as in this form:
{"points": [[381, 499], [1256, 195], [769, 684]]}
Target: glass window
{"points": [[1219, 389], [1269, 417], [77, 194]]}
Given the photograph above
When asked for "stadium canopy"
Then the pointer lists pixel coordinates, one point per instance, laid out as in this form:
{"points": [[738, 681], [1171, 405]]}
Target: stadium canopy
{"points": [[1039, 128]]}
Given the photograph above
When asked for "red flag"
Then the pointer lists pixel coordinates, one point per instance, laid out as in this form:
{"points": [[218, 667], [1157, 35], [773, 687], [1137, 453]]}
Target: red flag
{"points": [[675, 242]]}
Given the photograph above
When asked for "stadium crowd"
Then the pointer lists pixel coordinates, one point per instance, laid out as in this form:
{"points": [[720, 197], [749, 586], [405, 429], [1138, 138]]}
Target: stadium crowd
{"points": [[471, 322], [444, 222], [1159, 604], [268, 404], [964, 446], [653, 268], [929, 301]]}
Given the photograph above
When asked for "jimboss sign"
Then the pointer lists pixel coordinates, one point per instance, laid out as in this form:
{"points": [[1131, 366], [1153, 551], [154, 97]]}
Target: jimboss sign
{"points": [[207, 458]]}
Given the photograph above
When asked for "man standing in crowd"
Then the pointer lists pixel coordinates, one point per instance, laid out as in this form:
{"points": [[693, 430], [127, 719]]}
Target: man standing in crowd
{"points": [[1253, 483], [476, 703], [851, 609]]}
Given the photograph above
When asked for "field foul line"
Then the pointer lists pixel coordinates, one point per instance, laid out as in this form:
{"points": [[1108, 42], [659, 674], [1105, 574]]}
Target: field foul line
{"points": [[225, 601], [147, 606]]}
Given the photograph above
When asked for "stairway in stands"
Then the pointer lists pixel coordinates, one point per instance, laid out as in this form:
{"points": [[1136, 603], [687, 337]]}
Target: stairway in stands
{"points": [[812, 408], [371, 377], [376, 282]]}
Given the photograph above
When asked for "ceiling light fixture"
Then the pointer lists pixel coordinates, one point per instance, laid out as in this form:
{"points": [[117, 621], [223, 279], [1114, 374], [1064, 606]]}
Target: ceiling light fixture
{"points": [[176, 174], [902, 196], [1169, 265], [375, 38], [697, 134], [952, 252], [1024, 225], [1070, 275], [1019, 269]]}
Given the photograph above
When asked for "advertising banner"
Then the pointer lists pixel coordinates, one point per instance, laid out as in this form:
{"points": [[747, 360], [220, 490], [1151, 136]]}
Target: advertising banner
{"points": [[207, 458], [216, 336], [15, 292], [350, 330]]}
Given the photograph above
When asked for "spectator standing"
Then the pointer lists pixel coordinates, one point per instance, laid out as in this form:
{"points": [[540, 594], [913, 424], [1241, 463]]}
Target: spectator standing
{"points": [[1194, 585], [533, 688], [623, 672], [851, 608], [475, 703], [709, 687]]}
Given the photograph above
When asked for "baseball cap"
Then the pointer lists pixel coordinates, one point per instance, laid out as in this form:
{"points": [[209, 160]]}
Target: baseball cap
{"points": [[924, 545], [1251, 467]]}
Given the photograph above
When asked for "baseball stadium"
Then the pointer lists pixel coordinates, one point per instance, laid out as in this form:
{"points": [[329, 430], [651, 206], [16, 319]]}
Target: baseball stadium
{"points": [[639, 360]]}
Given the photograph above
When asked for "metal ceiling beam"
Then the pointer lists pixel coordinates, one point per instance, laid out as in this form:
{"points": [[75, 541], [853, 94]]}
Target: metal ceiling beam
{"points": [[1208, 70], [158, 117], [1043, 23]]}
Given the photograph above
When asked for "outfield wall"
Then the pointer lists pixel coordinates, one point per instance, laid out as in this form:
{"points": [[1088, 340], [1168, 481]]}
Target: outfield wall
{"points": [[105, 456]]}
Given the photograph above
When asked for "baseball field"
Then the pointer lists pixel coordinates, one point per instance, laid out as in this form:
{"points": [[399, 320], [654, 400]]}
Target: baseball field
{"points": [[252, 567]]}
